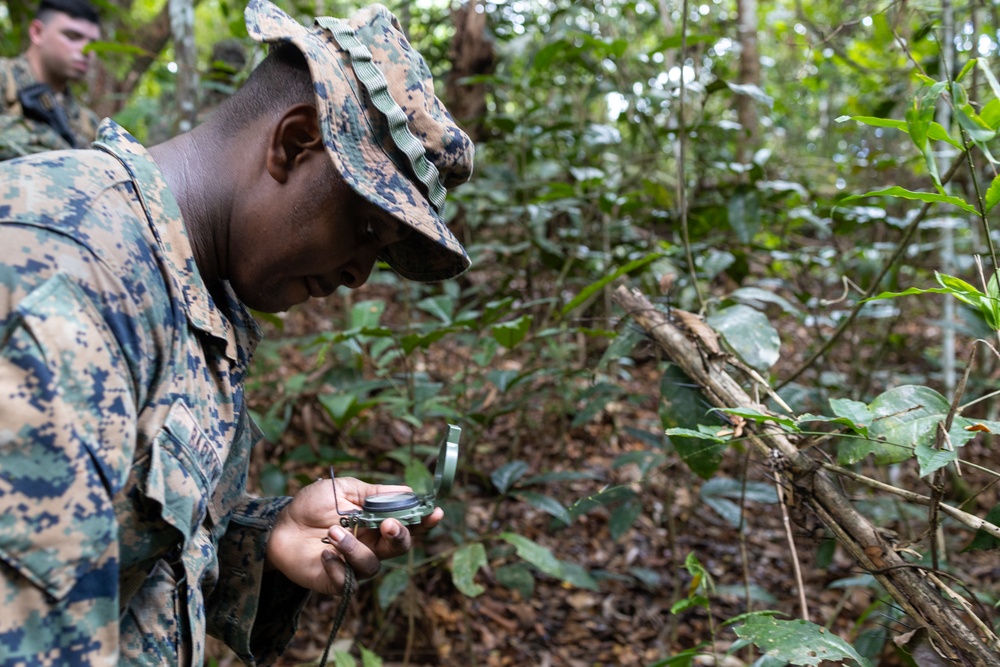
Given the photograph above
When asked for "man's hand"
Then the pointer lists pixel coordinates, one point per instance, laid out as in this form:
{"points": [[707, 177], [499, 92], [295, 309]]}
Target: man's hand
{"points": [[296, 546]]}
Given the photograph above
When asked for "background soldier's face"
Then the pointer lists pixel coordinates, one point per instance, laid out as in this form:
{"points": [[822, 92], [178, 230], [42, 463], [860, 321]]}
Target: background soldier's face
{"points": [[60, 40]]}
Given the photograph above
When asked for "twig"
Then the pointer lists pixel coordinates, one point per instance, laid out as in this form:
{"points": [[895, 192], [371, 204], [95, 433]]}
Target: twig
{"points": [[873, 288], [969, 520], [799, 584]]}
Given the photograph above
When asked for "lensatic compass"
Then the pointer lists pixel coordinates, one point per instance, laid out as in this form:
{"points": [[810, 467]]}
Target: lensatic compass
{"points": [[405, 506]]}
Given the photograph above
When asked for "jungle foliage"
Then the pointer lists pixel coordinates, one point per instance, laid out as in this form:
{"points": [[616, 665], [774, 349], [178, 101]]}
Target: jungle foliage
{"points": [[829, 213]]}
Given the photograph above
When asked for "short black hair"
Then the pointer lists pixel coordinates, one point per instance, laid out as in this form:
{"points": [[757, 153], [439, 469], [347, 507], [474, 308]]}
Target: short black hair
{"points": [[78, 9], [280, 81]]}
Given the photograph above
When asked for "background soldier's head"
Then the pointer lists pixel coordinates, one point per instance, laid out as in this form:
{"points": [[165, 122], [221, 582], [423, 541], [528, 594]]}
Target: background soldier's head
{"points": [[59, 33]]}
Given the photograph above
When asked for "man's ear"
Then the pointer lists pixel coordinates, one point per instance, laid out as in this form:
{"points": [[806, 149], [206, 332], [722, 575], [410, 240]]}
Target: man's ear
{"points": [[295, 138], [35, 29]]}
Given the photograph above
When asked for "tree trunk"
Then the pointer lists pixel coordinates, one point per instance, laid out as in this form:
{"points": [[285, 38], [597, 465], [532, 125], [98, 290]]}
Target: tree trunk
{"points": [[471, 55], [746, 12], [911, 588], [186, 58]]}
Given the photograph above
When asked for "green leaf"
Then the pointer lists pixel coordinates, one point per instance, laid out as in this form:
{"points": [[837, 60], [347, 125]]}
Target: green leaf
{"points": [[903, 193], [798, 642], [623, 517], [703, 458], [935, 131], [587, 291], [757, 416], [749, 334], [517, 577], [743, 210], [931, 459], [720, 492], [903, 418], [983, 541], [393, 583], [993, 193], [505, 476], [465, 563], [367, 314], [441, 307], [542, 558], [340, 407], [603, 498], [984, 67], [512, 332], [752, 295], [856, 412], [965, 69], [342, 658], [370, 659], [545, 503]]}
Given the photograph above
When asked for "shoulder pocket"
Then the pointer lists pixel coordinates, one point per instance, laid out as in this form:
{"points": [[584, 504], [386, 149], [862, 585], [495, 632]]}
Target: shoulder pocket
{"points": [[182, 471]]}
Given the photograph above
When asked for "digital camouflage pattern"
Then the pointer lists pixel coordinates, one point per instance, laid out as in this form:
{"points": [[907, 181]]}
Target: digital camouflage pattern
{"points": [[125, 529], [24, 136], [379, 154]]}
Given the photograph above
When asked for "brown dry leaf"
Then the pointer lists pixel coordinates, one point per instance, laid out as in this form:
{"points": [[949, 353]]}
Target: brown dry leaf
{"points": [[696, 326]]}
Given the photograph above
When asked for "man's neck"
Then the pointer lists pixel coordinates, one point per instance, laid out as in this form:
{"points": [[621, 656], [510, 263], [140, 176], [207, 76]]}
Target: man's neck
{"points": [[41, 74]]}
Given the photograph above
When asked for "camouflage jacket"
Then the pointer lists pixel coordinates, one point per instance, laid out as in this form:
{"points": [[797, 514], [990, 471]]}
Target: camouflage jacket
{"points": [[126, 532], [23, 136]]}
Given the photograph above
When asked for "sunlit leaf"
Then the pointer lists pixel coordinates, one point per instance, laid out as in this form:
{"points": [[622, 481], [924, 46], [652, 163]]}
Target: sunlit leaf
{"points": [[465, 563], [749, 334], [903, 193], [799, 642]]}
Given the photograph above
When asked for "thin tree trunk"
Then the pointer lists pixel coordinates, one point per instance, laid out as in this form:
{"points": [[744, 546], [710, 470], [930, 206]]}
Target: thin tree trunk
{"points": [[186, 58], [746, 11]]}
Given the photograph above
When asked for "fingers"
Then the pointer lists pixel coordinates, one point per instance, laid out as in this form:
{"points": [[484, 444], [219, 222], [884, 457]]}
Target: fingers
{"points": [[365, 562]]}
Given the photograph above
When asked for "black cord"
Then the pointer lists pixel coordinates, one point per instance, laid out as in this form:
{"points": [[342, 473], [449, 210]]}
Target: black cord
{"points": [[350, 583]]}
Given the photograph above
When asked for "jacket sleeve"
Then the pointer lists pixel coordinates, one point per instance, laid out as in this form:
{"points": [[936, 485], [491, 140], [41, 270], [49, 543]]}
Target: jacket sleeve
{"points": [[67, 434], [254, 612]]}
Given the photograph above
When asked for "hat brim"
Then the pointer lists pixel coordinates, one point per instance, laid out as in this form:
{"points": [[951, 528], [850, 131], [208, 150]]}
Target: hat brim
{"points": [[351, 129]]}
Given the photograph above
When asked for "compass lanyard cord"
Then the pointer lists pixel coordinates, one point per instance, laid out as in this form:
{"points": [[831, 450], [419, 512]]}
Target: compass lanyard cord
{"points": [[350, 584]]}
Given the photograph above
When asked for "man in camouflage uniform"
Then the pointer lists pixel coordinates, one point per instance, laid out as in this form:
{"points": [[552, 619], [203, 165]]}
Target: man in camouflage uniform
{"points": [[38, 112], [126, 274]]}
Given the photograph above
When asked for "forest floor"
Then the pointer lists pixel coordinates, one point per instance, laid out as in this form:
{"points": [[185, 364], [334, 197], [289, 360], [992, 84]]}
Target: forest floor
{"points": [[641, 575]]}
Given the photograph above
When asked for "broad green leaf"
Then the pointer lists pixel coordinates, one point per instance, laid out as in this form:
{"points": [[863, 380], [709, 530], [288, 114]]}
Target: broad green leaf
{"points": [[342, 658], [904, 417], [799, 642], [978, 130], [681, 403], [691, 433], [370, 659], [755, 294], [441, 306], [465, 563], [603, 498], [752, 91], [340, 407], [545, 503], [993, 193], [749, 334], [367, 314], [512, 332], [932, 460], [589, 290], [856, 412], [719, 493], [393, 583], [505, 476], [903, 193], [542, 558], [517, 577], [623, 517], [743, 210]]}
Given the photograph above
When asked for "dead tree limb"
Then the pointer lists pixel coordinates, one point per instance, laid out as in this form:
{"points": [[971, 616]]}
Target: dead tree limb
{"points": [[909, 587]]}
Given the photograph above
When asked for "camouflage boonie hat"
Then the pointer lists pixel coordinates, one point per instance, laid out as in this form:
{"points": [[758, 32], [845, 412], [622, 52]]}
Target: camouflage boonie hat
{"points": [[387, 133]]}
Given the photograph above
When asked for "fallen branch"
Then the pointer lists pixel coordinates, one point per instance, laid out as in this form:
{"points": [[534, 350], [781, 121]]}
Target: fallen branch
{"points": [[911, 590]]}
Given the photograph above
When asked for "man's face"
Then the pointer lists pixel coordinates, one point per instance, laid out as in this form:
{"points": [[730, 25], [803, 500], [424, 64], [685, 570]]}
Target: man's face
{"points": [[59, 40], [316, 235]]}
